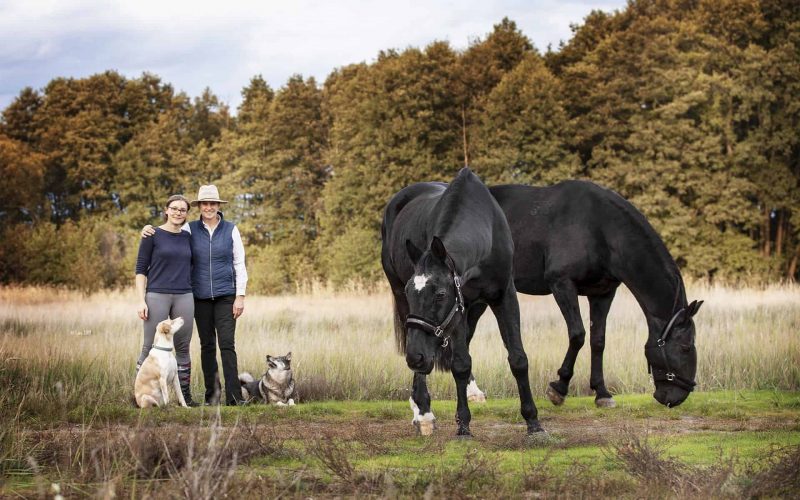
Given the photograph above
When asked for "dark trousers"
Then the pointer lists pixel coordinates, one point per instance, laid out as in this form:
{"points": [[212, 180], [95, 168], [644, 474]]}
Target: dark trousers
{"points": [[215, 324]]}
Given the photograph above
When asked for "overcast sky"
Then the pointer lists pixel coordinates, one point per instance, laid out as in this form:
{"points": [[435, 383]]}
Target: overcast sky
{"points": [[221, 45]]}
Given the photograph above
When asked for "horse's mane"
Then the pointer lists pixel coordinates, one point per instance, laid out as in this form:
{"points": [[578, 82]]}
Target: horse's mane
{"points": [[653, 240], [452, 201]]}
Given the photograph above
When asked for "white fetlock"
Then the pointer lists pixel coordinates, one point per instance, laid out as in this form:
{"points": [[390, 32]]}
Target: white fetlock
{"points": [[474, 394], [291, 402]]}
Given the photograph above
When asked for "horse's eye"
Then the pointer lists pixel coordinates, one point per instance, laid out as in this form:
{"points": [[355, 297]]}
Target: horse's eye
{"points": [[440, 295], [686, 347]]}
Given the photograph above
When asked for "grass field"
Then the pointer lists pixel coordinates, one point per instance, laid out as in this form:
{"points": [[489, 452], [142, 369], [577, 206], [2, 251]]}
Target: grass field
{"points": [[67, 363]]}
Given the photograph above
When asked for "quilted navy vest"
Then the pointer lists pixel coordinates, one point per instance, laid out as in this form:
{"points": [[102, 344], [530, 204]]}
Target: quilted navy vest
{"points": [[212, 260]]}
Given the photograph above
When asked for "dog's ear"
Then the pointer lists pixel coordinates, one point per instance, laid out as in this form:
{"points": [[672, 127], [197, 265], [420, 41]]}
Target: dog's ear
{"points": [[288, 356]]}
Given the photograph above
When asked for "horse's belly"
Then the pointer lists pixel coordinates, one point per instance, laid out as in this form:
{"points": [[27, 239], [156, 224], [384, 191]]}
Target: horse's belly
{"points": [[597, 286], [532, 286]]}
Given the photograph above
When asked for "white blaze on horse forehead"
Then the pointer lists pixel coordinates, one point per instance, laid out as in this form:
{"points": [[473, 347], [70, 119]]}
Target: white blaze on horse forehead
{"points": [[420, 281]]}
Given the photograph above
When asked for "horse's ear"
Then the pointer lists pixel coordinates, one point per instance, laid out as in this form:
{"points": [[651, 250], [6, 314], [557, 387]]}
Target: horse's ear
{"points": [[414, 253], [438, 249], [269, 358], [289, 356], [694, 307]]}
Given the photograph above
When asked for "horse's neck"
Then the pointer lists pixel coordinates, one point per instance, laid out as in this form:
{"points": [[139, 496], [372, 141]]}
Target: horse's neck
{"points": [[660, 292], [468, 239]]}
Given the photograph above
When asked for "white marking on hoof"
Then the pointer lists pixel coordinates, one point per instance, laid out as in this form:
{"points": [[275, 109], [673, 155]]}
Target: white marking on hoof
{"points": [[555, 398], [420, 281], [280, 403], [291, 402], [605, 403], [474, 394], [426, 423]]}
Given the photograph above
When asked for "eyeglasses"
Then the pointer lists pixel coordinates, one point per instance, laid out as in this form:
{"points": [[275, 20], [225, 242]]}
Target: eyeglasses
{"points": [[176, 210]]}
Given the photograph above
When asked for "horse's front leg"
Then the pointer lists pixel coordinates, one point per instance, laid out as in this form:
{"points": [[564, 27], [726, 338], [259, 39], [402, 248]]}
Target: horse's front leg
{"points": [[474, 393], [598, 312], [462, 369], [507, 313], [420, 402], [566, 296]]}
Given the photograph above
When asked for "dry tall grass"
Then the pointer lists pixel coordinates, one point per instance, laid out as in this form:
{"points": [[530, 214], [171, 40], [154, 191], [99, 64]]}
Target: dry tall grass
{"points": [[343, 344]]}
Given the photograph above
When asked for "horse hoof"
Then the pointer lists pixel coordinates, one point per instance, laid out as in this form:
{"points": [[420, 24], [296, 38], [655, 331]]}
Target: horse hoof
{"points": [[605, 403], [534, 428], [554, 397], [464, 437], [425, 427]]}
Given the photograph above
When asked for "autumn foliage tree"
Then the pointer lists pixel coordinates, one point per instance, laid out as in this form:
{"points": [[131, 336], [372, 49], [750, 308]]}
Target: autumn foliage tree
{"points": [[689, 108]]}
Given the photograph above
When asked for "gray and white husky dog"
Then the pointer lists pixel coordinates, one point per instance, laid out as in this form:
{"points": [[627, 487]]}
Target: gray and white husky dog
{"points": [[276, 386]]}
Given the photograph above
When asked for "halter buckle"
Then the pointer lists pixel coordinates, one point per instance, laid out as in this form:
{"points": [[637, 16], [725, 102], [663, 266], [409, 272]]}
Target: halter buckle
{"points": [[670, 376], [438, 331], [661, 342]]}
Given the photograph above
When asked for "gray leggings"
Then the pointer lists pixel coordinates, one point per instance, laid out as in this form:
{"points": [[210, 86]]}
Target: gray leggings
{"points": [[161, 306]]}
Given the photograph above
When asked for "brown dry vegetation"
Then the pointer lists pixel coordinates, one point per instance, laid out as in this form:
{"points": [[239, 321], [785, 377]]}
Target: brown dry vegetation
{"points": [[322, 458], [66, 363]]}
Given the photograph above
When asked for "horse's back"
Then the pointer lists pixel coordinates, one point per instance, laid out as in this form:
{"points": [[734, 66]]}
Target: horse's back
{"points": [[572, 230]]}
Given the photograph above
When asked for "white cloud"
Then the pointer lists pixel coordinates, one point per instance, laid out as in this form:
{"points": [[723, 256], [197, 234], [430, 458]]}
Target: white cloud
{"points": [[195, 44]]}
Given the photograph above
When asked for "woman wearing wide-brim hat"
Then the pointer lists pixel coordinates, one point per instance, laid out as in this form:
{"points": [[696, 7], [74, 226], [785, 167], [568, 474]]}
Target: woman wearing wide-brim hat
{"points": [[219, 279]]}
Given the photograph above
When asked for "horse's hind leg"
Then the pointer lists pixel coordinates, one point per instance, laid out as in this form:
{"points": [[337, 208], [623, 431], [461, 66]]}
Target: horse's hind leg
{"points": [[420, 402], [507, 314], [474, 394], [566, 296], [598, 312]]}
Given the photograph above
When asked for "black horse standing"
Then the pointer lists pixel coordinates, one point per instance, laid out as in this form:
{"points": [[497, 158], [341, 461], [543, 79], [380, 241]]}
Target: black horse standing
{"points": [[447, 252], [577, 238]]}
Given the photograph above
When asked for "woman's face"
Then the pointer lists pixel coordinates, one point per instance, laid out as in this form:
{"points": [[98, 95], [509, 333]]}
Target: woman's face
{"points": [[176, 212], [209, 209]]}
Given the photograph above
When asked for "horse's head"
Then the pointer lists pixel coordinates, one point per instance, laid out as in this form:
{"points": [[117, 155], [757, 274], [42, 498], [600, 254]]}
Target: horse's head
{"points": [[436, 305], [672, 357]]}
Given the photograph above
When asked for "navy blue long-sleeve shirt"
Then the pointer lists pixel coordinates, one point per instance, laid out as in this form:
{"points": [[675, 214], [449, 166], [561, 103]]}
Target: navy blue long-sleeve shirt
{"points": [[166, 259]]}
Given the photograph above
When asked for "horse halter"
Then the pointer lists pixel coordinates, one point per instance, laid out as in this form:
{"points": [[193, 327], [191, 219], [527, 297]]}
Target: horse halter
{"points": [[429, 326], [666, 373]]}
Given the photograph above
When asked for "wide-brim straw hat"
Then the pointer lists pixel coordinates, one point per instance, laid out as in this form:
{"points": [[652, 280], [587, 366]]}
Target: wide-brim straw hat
{"points": [[207, 193]]}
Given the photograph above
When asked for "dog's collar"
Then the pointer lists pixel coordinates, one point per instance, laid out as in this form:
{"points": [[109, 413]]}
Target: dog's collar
{"points": [[168, 349]]}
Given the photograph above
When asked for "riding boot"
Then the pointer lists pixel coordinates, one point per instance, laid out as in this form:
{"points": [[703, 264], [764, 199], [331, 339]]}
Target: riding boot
{"points": [[185, 379]]}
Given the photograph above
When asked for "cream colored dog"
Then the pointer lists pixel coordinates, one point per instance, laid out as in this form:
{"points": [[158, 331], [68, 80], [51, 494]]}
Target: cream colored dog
{"points": [[159, 370]]}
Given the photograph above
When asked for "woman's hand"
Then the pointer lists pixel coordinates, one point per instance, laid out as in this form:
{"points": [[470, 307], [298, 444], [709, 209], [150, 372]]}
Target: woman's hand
{"points": [[238, 306], [148, 231], [142, 311]]}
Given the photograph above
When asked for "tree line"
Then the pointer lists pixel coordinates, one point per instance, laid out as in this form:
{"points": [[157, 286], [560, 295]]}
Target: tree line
{"points": [[688, 108]]}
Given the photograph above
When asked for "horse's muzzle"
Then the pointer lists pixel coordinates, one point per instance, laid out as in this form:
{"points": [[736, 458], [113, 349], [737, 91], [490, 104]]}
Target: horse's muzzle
{"points": [[670, 396], [418, 363]]}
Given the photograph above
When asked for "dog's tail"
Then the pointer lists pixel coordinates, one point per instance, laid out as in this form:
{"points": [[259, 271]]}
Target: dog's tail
{"points": [[246, 378]]}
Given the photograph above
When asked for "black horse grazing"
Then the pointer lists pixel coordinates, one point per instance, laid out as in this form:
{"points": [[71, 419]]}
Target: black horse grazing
{"points": [[577, 238], [447, 252]]}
